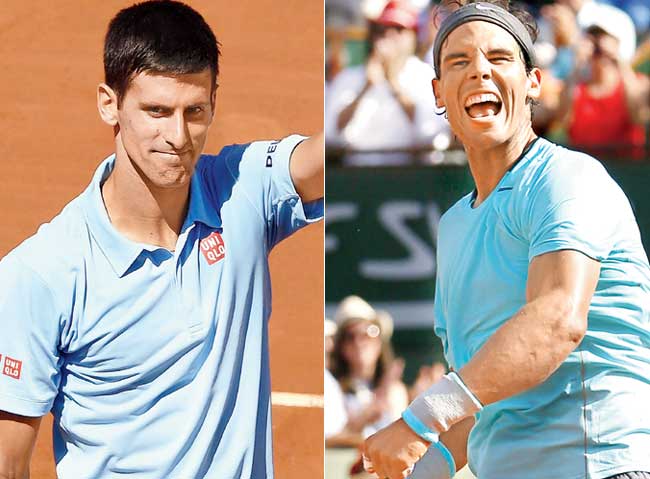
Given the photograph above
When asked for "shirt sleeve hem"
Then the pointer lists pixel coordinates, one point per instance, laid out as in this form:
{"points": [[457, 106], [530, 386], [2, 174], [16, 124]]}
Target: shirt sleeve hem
{"points": [[311, 211], [290, 143], [24, 407], [551, 246]]}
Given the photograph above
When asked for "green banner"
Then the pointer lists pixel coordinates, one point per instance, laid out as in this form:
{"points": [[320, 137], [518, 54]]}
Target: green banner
{"points": [[381, 225]]}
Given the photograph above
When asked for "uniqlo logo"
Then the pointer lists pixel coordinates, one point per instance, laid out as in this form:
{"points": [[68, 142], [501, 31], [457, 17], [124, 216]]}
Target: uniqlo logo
{"points": [[12, 367], [213, 248]]}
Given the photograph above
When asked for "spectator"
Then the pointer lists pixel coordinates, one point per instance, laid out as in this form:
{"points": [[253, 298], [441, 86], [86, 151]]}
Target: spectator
{"points": [[563, 22], [560, 20], [591, 12], [604, 102], [388, 102], [365, 367]]}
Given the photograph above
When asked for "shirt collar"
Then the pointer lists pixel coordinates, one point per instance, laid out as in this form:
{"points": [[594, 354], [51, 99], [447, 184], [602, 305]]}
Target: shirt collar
{"points": [[119, 250], [506, 183], [202, 207]]}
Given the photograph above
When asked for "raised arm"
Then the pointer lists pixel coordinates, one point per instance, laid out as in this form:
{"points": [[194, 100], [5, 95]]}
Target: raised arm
{"points": [[17, 439], [307, 168]]}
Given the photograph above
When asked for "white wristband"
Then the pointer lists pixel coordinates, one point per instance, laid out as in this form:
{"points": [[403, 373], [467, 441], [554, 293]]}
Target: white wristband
{"points": [[445, 403], [435, 464]]}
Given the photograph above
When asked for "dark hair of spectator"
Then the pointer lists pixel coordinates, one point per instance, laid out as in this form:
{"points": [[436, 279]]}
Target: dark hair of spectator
{"points": [[160, 36], [341, 369]]}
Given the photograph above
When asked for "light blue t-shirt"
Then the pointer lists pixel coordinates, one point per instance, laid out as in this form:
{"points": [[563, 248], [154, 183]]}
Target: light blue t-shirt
{"points": [[591, 418], [154, 363]]}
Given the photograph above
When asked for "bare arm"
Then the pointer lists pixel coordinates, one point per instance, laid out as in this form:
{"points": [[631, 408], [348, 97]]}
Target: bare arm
{"points": [[17, 439], [635, 87], [307, 168], [583, 51], [520, 355], [532, 344], [564, 109], [637, 94]]}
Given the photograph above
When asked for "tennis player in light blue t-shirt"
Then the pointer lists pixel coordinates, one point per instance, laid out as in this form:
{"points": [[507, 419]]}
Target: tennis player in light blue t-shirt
{"points": [[543, 291], [139, 315]]}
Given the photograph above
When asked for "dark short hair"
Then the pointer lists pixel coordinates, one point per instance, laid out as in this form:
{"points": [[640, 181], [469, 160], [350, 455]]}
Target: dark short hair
{"points": [[161, 36]]}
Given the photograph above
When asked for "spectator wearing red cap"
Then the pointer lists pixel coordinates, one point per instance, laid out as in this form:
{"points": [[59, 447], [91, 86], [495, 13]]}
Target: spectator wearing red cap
{"points": [[386, 103]]}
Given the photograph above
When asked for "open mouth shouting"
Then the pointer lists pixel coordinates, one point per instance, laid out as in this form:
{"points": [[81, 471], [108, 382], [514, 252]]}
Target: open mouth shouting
{"points": [[482, 105]]}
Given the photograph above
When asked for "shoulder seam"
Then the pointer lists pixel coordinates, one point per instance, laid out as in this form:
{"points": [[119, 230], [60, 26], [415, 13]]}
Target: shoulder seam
{"points": [[242, 185], [43, 282]]}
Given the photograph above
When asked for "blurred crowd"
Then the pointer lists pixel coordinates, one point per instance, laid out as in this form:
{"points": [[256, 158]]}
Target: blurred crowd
{"points": [[364, 389], [380, 110]]}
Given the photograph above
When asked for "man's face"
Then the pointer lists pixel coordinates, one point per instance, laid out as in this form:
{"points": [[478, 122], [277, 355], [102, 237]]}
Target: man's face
{"points": [[484, 86], [163, 124], [604, 47], [400, 39]]}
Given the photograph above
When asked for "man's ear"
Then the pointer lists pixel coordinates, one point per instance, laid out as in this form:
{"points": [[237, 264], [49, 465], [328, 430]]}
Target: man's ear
{"points": [[435, 83], [213, 101], [107, 104], [534, 84]]}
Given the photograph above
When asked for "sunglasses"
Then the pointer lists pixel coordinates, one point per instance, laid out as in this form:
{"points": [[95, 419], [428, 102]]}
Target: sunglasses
{"points": [[371, 332]]}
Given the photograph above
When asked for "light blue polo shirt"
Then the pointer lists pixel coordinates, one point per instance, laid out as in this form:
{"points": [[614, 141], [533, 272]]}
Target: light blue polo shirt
{"points": [[590, 419], [154, 363]]}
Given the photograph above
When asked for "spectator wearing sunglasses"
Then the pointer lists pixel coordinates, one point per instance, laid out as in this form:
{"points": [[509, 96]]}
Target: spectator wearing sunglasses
{"points": [[365, 367]]}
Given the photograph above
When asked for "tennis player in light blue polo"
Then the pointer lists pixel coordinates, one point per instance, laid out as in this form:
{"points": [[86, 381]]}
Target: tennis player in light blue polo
{"points": [[542, 298], [590, 417], [139, 315], [154, 363]]}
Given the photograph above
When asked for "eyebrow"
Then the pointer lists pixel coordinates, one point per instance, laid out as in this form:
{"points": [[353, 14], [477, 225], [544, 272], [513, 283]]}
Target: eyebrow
{"points": [[155, 104], [494, 51], [501, 51]]}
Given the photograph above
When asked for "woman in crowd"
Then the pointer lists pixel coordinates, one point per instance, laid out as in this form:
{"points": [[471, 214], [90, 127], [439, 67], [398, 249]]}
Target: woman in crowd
{"points": [[364, 364]]}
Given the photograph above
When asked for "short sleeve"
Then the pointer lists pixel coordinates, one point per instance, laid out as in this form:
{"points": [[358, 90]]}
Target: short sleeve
{"points": [[29, 340], [263, 171], [574, 205]]}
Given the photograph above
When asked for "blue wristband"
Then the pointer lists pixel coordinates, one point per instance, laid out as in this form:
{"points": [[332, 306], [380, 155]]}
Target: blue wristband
{"points": [[419, 427], [448, 457]]}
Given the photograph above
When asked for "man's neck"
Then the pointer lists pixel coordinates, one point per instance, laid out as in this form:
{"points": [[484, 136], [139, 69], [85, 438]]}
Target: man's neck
{"points": [[489, 165], [141, 212]]}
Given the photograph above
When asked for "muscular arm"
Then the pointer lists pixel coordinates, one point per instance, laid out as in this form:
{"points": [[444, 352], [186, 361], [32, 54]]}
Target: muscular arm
{"points": [[520, 355], [307, 168], [17, 439], [532, 344]]}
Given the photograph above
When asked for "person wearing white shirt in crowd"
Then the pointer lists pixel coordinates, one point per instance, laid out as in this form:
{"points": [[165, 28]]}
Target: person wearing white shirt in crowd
{"points": [[386, 103]]}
